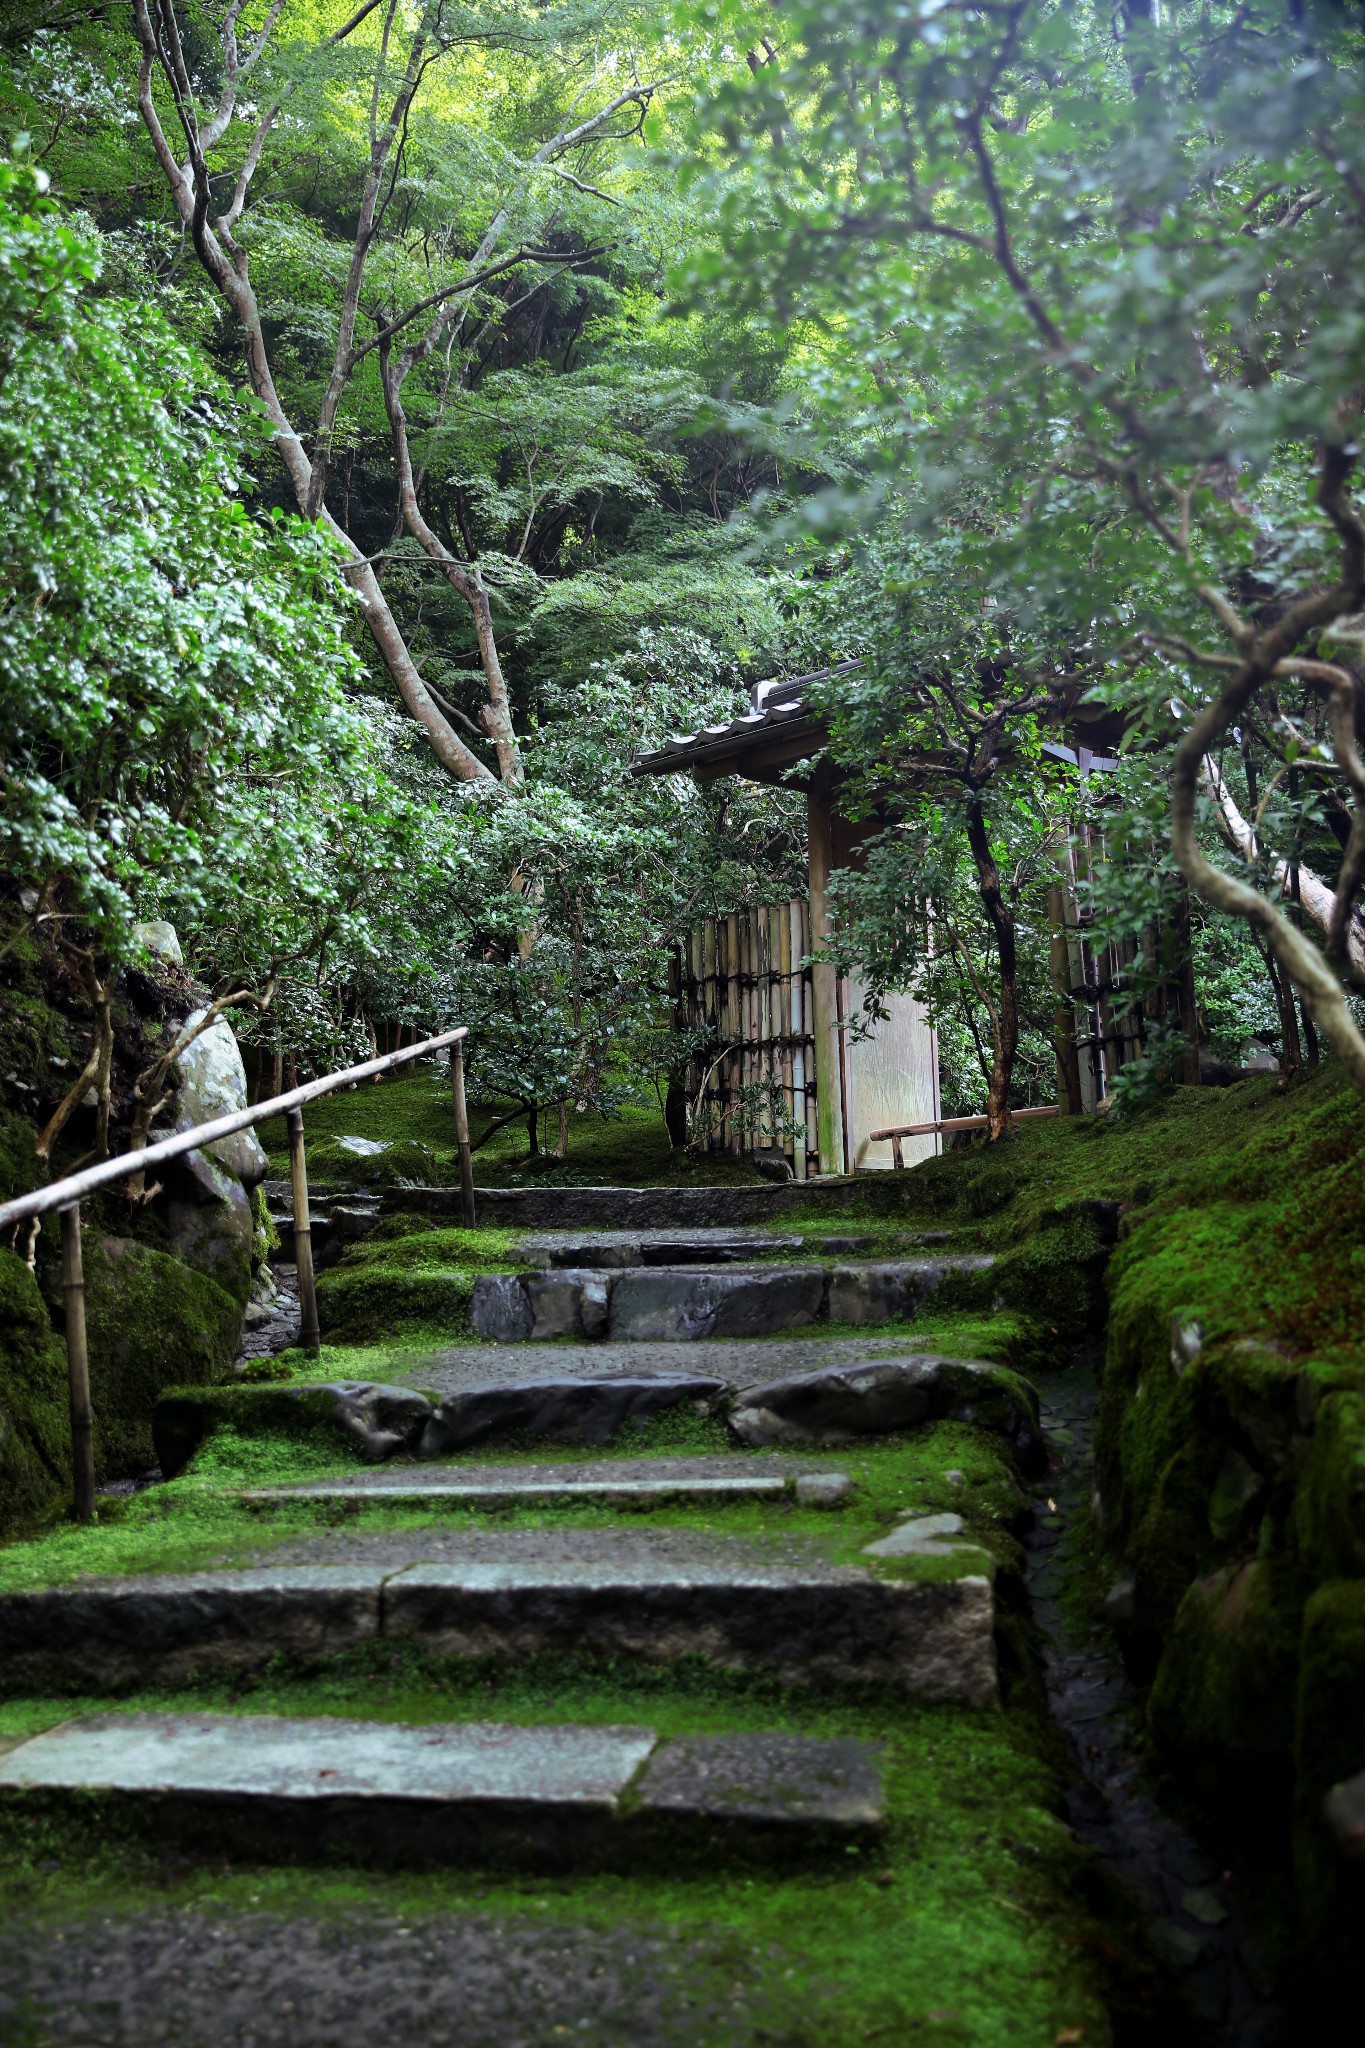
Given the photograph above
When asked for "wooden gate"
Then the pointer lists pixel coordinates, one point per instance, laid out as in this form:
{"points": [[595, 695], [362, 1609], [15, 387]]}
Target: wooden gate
{"points": [[742, 984]]}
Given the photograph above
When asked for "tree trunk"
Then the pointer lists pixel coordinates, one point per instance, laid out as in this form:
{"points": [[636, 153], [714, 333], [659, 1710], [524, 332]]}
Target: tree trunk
{"points": [[1005, 1024]]}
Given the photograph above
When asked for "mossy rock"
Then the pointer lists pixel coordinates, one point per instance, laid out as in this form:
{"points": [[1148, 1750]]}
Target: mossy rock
{"points": [[19, 1172], [990, 1189], [1329, 1507], [35, 1425], [360, 1417], [405, 1162], [1223, 1696], [34, 1038], [1056, 1277], [152, 1323], [366, 1303], [406, 1275]]}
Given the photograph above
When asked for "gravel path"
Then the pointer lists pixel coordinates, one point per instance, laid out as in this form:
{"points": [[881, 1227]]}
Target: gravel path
{"points": [[250, 1980]]}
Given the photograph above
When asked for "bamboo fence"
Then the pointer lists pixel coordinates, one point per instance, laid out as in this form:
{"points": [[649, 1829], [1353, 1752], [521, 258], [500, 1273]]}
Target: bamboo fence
{"points": [[745, 989]]}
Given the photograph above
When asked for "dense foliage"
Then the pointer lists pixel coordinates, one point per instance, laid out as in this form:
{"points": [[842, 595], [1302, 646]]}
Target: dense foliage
{"points": [[411, 411]]}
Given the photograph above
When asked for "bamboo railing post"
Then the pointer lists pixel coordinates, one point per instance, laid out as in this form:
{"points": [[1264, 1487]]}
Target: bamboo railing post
{"points": [[462, 1135], [78, 1367], [310, 1336]]}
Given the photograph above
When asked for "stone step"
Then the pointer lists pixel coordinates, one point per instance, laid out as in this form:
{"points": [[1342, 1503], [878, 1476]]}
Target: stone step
{"points": [[614, 1248], [664, 1304], [454, 1793], [653, 1595], [555, 1394], [641, 1483], [690, 1208], [735, 1362]]}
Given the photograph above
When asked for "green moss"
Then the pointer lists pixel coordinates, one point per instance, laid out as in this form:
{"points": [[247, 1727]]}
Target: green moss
{"points": [[968, 1924], [1223, 1696], [408, 1276], [265, 1435], [35, 1429], [152, 1323], [265, 1238], [358, 1304], [1330, 1500], [1056, 1279], [1329, 1746], [630, 1149], [18, 1165]]}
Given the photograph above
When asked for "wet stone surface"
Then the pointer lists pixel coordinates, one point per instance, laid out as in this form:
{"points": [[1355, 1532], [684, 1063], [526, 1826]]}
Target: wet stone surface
{"points": [[274, 1324], [205, 1979], [1188, 1896]]}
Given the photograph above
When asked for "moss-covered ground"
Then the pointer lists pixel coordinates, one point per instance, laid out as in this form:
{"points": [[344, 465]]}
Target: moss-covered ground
{"points": [[969, 1923], [630, 1149], [1221, 1235], [198, 1521]]}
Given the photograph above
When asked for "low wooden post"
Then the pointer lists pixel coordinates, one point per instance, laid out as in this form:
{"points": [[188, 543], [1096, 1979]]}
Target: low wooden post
{"points": [[78, 1367], [310, 1336], [462, 1135]]}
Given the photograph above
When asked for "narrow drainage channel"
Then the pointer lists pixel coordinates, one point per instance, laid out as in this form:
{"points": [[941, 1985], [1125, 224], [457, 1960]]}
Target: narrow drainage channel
{"points": [[1188, 1898]]}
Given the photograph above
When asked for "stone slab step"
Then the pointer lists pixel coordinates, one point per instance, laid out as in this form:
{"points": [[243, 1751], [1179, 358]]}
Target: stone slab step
{"points": [[640, 1483], [454, 1792], [656, 1596], [691, 1208], [667, 1304], [606, 1248], [841, 1395]]}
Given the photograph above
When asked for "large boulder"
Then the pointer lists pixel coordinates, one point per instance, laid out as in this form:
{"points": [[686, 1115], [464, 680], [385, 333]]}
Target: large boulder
{"points": [[213, 1084], [209, 1214], [211, 1224], [153, 1321]]}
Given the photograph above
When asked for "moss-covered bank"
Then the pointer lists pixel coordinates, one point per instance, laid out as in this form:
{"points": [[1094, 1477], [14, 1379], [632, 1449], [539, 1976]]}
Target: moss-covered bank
{"points": [[1230, 1502]]}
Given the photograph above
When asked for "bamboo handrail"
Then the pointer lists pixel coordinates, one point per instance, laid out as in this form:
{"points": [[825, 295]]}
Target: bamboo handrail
{"points": [[66, 1195], [77, 1185], [895, 1132]]}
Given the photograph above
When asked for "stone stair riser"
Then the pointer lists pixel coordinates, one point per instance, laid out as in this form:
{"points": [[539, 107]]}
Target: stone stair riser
{"points": [[659, 1304], [932, 1641]]}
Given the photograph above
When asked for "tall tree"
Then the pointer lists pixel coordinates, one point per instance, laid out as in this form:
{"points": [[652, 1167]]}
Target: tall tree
{"points": [[227, 101], [1090, 282]]}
